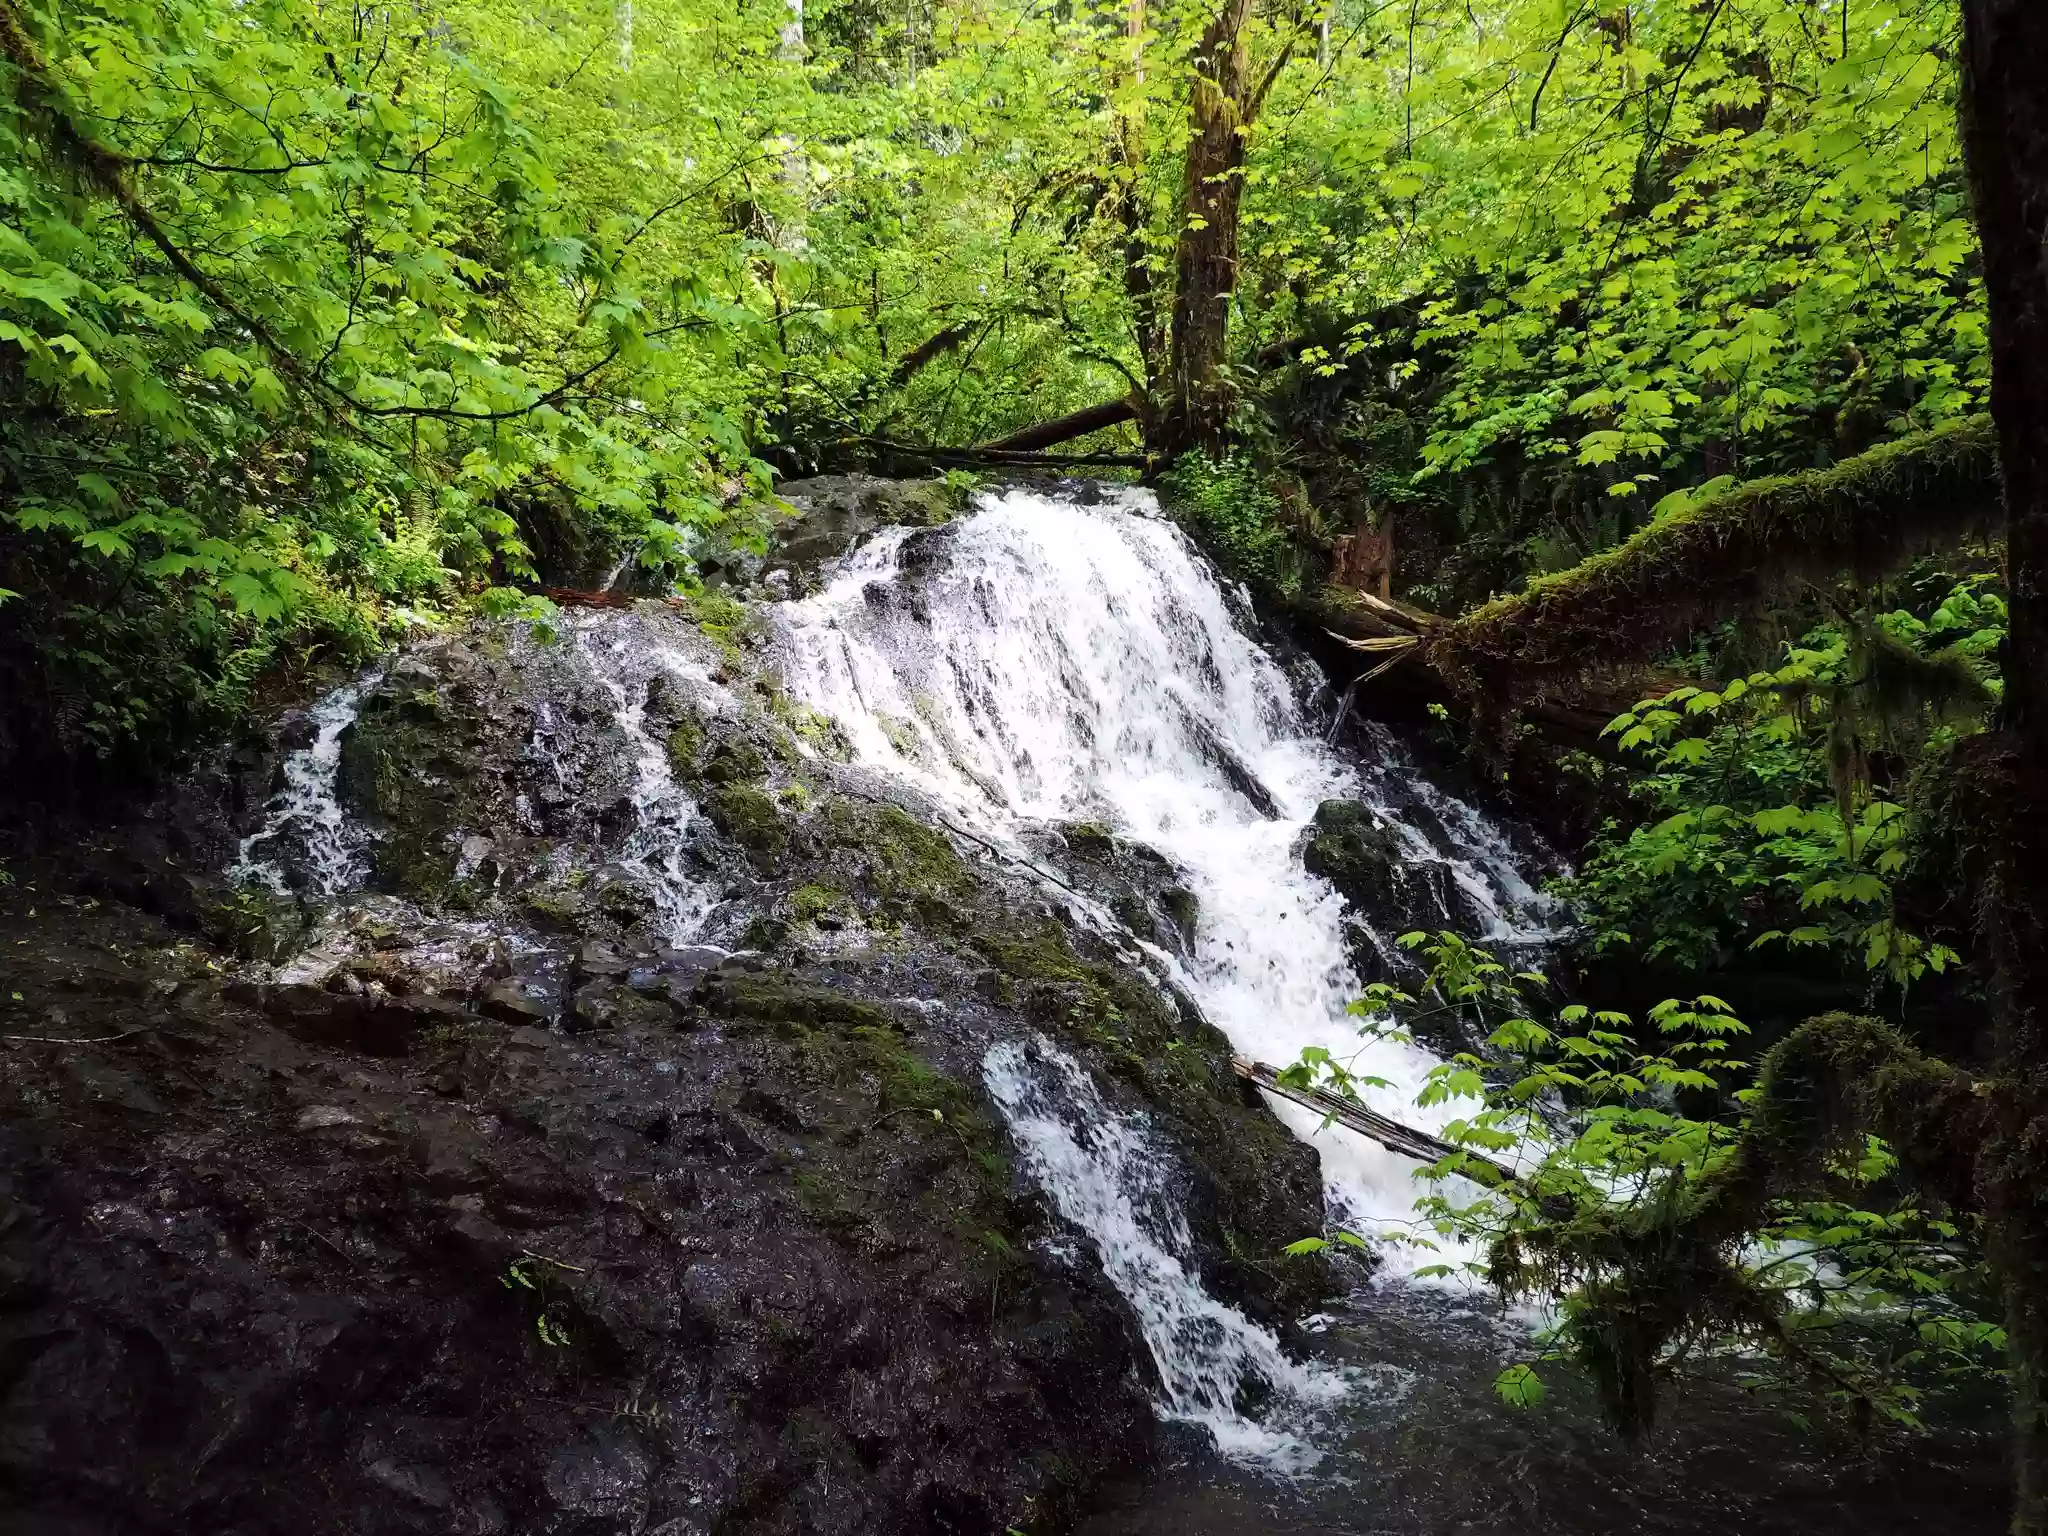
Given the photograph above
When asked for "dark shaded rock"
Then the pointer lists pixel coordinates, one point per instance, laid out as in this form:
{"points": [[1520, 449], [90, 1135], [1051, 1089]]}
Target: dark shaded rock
{"points": [[1352, 848], [374, 1023], [595, 1005], [740, 1282], [1360, 853], [1136, 882], [835, 513], [521, 1000]]}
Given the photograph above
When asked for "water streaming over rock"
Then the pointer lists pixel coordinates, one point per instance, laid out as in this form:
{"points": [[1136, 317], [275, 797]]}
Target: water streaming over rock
{"points": [[627, 663], [306, 835], [1106, 1176], [1043, 661], [1038, 662]]}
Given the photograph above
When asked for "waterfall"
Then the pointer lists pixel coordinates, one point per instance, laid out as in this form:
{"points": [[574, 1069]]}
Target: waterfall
{"points": [[304, 830], [626, 662], [1105, 1176], [1039, 661]]}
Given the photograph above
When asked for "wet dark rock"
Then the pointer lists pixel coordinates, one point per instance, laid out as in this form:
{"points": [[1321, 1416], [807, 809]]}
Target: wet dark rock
{"points": [[838, 512], [504, 1212], [521, 1000], [374, 1023], [1140, 885], [1350, 845], [1389, 893], [595, 1005]]}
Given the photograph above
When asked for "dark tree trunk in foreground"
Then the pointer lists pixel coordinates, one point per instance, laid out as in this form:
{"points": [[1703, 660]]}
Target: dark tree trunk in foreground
{"points": [[2005, 130], [1205, 266]]}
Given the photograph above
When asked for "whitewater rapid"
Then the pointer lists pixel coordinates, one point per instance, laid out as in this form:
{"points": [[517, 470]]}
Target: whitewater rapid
{"points": [[1041, 661]]}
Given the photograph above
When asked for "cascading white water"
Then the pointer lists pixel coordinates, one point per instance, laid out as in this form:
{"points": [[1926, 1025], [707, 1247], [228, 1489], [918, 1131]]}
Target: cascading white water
{"points": [[1106, 1177], [304, 827], [623, 661], [1040, 660]]}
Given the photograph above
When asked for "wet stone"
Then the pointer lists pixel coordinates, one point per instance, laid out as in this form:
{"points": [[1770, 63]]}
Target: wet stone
{"points": [[521, 1000]]}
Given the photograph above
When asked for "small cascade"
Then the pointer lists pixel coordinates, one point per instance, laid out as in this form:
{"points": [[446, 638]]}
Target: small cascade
{"points": [[1105, 1176], [307, 840], [1040, 661], [625, 662]]}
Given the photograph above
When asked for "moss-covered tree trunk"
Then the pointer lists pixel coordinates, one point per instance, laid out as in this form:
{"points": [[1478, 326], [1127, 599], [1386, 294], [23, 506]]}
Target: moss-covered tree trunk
{"points": [[2005, 128], [1221, 107]]}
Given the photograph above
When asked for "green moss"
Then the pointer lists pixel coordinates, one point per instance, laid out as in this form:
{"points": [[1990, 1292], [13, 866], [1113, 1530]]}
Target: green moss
{"points": [[1100, 1004], [1090, 839], [1726, 554], [1352, 848], [765, 933], [903, 858], [749, 817], [810, 902], [685, 744], [727, 623], [749, 995], [736, 761], [902, 735]]}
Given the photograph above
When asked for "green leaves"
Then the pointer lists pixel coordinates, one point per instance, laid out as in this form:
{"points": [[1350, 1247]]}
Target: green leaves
{"points": [[1519, 1387]]}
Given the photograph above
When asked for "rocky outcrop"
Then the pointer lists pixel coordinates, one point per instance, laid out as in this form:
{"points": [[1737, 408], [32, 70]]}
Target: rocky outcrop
{"points": [[1388, 890], [837, 512], [476, 1202]]}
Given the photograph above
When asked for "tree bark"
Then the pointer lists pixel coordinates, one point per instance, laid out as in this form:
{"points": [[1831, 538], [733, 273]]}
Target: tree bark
{"points": [[1220, 108], [1727, 555], [2005, 140], [1063, 429]]}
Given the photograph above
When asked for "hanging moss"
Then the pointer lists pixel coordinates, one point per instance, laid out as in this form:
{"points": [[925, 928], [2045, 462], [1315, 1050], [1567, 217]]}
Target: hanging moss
{"points": [[1726, 554], [1669, 1265]]}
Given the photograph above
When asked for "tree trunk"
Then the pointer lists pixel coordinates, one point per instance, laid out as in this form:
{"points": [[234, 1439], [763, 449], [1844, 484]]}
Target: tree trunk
{"points": [[1197, 412], [2005, 134]]}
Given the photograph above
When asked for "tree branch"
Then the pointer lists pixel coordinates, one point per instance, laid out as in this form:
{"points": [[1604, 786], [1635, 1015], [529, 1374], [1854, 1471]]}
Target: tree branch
{"points": [[1064, 429]]}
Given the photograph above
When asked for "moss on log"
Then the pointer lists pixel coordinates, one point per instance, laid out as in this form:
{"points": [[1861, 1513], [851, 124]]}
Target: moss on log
{"points": [[1726, 554]]}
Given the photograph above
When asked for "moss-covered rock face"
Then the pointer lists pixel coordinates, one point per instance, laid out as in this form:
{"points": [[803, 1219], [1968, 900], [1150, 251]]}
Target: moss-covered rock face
{"points": [[1352, 848], [837, 512], [851, 963], [747, 815]]}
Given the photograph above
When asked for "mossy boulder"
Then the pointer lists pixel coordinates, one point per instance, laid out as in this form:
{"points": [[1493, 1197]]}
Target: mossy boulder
{"points": [[1350, 846], [778, 1000], [749, 816], [898, 857], [735, 761]]}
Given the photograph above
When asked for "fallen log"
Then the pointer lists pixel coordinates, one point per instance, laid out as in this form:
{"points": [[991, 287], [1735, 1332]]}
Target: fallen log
{"points": [[1727, 553], [1063, 429], [1391, 1134]]}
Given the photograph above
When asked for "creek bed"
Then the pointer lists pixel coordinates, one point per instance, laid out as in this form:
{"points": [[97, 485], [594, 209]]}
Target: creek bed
{"points": [[1423, 1448]]}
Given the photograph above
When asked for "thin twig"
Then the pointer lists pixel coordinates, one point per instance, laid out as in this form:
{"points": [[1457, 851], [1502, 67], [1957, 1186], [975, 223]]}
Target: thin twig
{"points": [[67, 1040]]}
